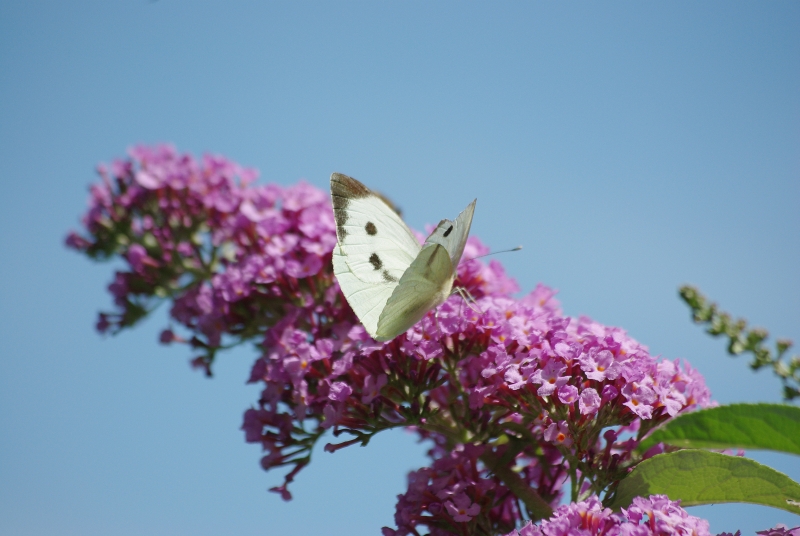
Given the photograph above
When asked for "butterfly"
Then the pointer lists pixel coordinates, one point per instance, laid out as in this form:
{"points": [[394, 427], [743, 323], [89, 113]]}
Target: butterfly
{"points": [[389, 280]]}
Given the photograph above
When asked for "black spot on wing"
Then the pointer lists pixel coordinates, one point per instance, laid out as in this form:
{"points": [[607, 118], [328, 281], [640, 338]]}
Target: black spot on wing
{"points": [[343, 189], [371, 229], [388, 278], [376, 262], [448, 231]]}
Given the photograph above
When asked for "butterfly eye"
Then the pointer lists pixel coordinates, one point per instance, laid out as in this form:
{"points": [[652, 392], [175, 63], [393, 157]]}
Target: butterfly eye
{"points": [[448, 231], [372, 230]]}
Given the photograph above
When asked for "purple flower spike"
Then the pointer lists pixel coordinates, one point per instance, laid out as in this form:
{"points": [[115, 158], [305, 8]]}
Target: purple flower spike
{"points": [[508, 391]]}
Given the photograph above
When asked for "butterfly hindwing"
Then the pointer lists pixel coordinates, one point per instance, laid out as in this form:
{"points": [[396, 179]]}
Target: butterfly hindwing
{"points": [[377, 245], [425, 285], [366, 299]]}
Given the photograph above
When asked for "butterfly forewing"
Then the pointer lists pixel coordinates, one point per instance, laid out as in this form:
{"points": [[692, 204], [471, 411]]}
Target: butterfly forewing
{"points": [[425, 285], [453, 234], [377, 245]]}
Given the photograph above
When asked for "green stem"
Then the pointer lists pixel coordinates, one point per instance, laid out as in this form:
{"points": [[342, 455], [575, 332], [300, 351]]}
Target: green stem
{"points": [[537, 507]]}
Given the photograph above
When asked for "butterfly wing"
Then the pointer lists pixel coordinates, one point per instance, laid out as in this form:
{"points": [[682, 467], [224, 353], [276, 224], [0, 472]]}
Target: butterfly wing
{"points": [[452, 235], [377, 245], [425, 285], [374, 249], [366, 299]]}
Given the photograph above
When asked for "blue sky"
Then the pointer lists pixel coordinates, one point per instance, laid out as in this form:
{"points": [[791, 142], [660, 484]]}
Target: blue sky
{"points": [[630, 147]]}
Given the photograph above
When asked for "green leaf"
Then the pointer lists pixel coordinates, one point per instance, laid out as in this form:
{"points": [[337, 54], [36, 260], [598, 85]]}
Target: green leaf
{"points": [[752, 426], [701, 477]]}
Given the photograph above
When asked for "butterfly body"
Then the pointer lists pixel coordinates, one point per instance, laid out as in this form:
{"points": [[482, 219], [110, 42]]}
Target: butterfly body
{"points": [[387, 277]]}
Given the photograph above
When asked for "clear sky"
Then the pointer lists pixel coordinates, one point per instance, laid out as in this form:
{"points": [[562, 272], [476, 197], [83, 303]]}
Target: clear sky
{"points": [[631, 147]]}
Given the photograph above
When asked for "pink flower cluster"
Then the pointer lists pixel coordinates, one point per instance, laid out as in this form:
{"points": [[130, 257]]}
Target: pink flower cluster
{"points": [[457, 494], [653, 516], [229, 254], [512, 394], [545, 383]]}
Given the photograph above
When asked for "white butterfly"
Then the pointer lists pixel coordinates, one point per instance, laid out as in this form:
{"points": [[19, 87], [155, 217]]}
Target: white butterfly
{"points": [[389, 280]]}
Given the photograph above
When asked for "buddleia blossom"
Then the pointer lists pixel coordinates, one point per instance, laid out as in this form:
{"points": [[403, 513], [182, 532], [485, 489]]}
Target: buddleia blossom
{"points": [[515, 397], [551, 384], [653, 516], [230, 255]]}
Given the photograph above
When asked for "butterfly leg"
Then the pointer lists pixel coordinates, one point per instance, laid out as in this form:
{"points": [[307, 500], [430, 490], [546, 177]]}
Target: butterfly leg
{"points": [[468, 298], [436, 318]]}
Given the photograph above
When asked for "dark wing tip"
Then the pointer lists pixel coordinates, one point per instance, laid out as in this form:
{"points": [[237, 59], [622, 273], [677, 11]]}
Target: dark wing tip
{"points": [[347, 187]]}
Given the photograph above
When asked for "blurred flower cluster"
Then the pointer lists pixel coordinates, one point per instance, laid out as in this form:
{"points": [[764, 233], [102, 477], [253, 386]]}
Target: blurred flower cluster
{"points": [[518, 402], [653, 516]]}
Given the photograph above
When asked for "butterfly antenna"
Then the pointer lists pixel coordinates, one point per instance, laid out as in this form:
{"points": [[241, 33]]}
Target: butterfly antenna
{"points": [[494, 252]]}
